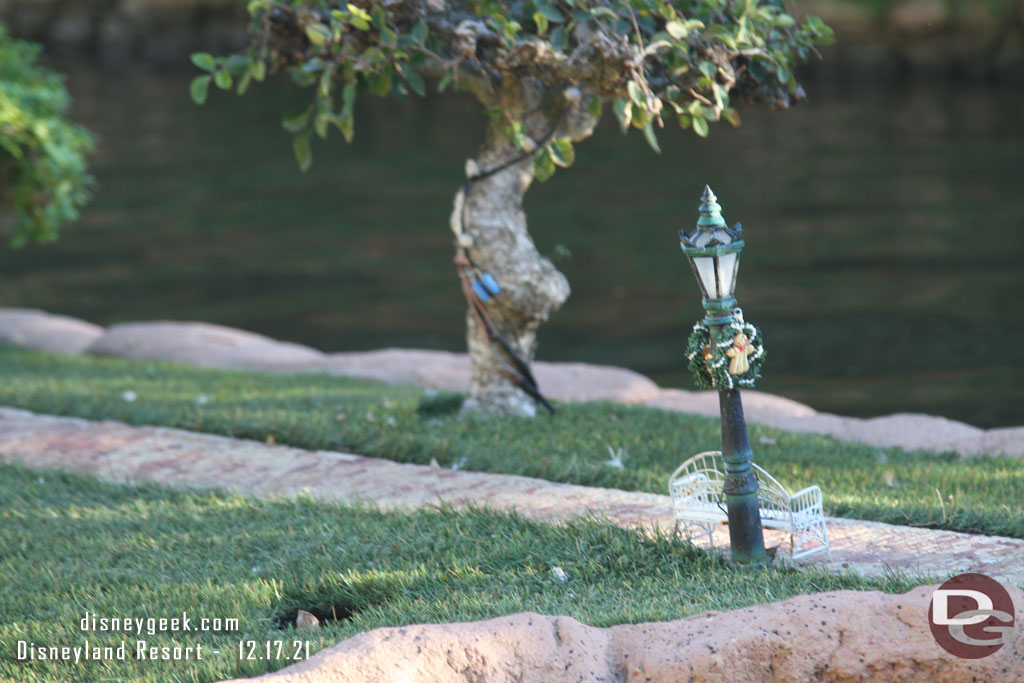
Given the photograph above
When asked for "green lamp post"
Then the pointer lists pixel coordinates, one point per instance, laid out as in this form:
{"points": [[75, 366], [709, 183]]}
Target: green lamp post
{"points": [[725, 352]]}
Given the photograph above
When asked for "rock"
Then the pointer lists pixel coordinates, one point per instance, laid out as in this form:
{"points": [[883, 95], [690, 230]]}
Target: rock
{"points": [[585, 382], [1009, 440], [450, 371], [434, 369], [307, 620], [200, 344], [757, 405], [46, 332], [841, 636], [520, 647]]}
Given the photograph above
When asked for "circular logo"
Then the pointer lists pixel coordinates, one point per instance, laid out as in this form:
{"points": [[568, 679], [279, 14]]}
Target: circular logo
{"points": [[971, 616]]}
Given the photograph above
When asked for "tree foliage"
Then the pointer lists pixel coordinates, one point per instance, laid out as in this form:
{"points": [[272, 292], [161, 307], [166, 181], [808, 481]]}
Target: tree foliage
{"points": [[691, 61], [43, 175]]}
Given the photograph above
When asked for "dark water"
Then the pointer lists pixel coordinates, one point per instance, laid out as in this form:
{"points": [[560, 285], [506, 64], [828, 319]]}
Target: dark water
{"points": [[883, 224]]}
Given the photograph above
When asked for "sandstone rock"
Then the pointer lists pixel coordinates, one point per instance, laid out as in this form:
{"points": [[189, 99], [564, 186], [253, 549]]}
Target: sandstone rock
{"points": [[200, 344], [434, 369], [46, 332], [1009, 440], [519, 647], [837, 636], [585, 382], [450, 371], [757, 405]]}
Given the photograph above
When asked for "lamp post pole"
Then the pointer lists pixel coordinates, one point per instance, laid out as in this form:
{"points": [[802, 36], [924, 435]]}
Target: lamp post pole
{"points": [[714, 250]]}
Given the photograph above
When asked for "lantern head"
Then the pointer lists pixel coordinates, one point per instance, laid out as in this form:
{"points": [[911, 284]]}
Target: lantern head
{"points": [[714, 252]]}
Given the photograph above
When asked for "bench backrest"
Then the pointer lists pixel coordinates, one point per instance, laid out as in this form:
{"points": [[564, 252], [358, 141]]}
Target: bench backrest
{"points": [[698, 481]]}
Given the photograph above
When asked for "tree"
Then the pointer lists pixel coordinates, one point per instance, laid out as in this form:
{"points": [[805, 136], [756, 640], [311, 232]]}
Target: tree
{"points": [[544, 71], [43, 176]]}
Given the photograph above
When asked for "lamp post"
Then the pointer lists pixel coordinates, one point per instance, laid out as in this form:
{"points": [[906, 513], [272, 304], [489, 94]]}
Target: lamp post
{"points": [[713, 250]]}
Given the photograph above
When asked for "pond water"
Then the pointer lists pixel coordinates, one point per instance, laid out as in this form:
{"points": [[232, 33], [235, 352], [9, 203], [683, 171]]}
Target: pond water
{"points": [[883, 229]]}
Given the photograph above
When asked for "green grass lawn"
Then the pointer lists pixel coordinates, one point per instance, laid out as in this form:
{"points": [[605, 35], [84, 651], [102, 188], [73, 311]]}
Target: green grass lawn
{"points": [[71, 545], [406, 424]]}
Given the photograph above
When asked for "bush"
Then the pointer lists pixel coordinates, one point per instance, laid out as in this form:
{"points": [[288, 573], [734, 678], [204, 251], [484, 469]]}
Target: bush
{"points": [[43, 175]]}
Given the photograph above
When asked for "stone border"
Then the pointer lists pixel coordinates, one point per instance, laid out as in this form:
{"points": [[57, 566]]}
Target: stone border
{"points": [[173, 457], [835, 636], [209, 345]]}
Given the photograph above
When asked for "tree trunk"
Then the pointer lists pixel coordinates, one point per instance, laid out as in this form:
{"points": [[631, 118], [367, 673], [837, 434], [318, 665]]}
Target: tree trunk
{"points": [[490, 212]]}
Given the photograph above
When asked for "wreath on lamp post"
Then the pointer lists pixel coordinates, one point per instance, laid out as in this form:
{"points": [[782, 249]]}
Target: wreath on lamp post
{"points": [[733, 361]]}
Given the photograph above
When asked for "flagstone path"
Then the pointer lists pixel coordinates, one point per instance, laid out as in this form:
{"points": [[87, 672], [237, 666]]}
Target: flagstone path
{"points": [[118, 452]]}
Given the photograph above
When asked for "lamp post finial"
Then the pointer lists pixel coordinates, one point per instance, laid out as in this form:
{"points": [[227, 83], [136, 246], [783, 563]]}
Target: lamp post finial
{"points": [[710, 210]]}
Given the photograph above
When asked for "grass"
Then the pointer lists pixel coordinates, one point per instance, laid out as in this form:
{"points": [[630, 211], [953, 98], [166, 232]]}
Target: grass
{"points": [[984, 495], [71, 545]]}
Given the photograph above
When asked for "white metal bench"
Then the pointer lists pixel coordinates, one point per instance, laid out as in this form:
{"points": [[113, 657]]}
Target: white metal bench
{"points": [[696, 488]]}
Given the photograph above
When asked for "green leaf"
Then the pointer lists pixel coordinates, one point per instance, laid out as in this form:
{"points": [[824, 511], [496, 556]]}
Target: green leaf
{"points": [[700, 126], [297, 120], [379, 82], [709, 69], [318, 34], [641, 116], [681, 29], [721, 95], [243, 82], [511, 29], [623, 112], [634, 93], [676, 29], [204, 60], [359, 12], [549, 12], [445, 81], [595, 106], [562, 152], [732, 116], [303, 152], [223, 79], [685, 121], [314, 65], [758, 71], [236, 64], [651, 138], [326, 78], [784, 21], [542, 24], [199, 89], [558, 39], [379, 19], [419, 33], [360, 23], [415, 81], [516, 135], [323, 119], [374, 55], [543, 165], [258, 69], [301, 78], [347, 128], [348, 100], [388, 38]]}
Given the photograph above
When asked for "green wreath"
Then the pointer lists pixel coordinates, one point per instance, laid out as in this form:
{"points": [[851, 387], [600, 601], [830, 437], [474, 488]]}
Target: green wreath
{"points": [[713, 372]]}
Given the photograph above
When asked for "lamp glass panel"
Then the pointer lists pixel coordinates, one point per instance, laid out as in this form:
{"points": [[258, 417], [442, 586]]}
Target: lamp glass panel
{"points": [[706, 271], [728, 264], [735, 272]]}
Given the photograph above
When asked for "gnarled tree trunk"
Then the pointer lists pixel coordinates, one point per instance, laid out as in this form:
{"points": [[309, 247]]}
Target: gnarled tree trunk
{"points": [[491, 214]]}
